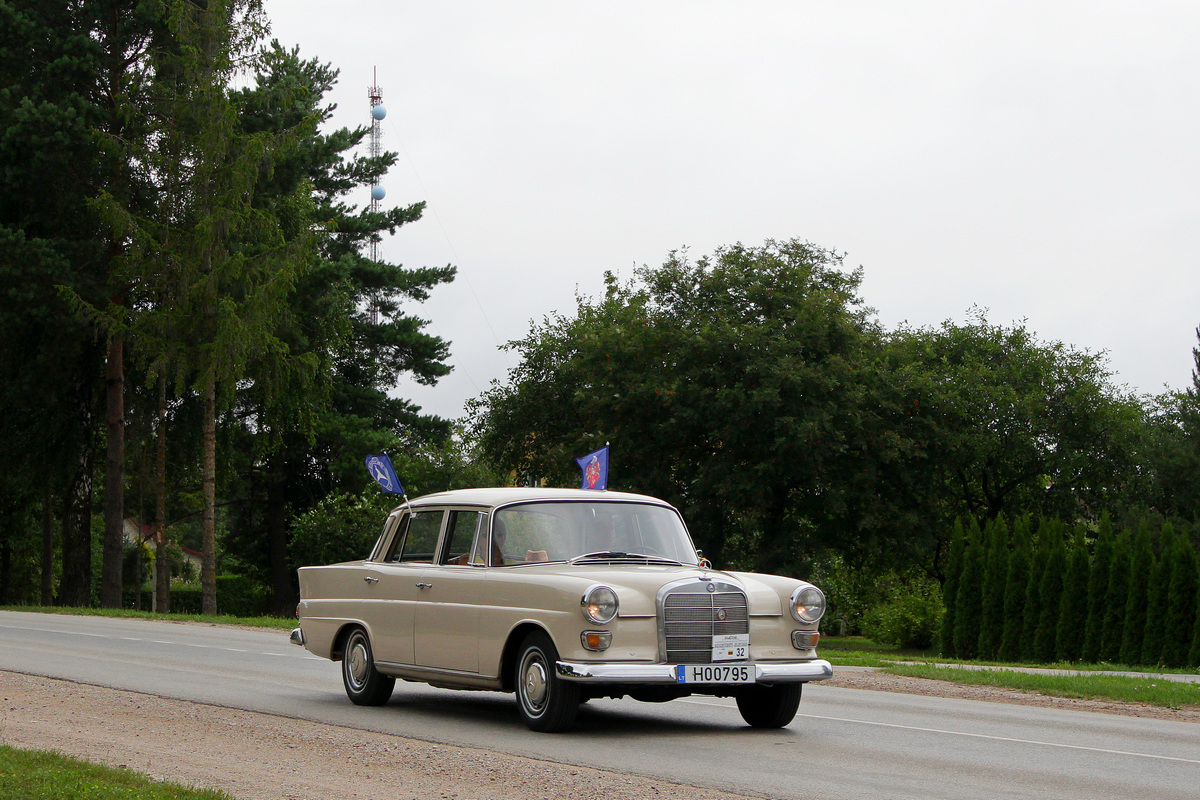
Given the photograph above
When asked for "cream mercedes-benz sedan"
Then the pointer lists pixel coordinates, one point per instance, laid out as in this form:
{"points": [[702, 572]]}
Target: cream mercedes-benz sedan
{"points": [[559, 595]]}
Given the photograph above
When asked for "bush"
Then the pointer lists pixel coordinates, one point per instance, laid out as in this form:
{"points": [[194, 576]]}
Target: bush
{"points": [[848, 592], [342, 527], [911, 622], [237, 595]]}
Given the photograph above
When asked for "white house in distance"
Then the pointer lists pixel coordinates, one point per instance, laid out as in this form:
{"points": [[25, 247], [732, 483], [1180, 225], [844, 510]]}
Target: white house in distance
{"points": [[137, 534]]}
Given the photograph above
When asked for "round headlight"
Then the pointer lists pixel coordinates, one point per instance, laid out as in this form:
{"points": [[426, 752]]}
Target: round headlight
{"points": [[808, 604], [600, 604]]}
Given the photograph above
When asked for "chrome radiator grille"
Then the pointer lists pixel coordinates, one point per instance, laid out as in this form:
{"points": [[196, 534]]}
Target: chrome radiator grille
{"points": [[692, 618]]}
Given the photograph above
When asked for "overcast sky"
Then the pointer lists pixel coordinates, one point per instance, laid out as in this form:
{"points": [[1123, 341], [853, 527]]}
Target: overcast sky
{"points": [[1038, 159]]}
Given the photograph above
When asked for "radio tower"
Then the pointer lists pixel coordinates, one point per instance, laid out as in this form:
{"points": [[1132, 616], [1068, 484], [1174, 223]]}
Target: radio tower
{"points": [[378, 112]]}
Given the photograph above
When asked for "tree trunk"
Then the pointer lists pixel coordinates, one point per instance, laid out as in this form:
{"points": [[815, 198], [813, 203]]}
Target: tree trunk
{"points": [[208, 526], [284, 599], [6, 565], [114, 476], [47, 548], [75, 589], [162, 563]]}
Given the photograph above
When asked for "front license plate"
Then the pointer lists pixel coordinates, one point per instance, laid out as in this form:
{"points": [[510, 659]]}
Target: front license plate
{"points": [[714, 673]]}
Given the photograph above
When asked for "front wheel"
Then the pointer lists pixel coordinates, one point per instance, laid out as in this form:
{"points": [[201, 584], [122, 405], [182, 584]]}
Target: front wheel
{"points": [[548, 703], [365, 685], [769, 706]]}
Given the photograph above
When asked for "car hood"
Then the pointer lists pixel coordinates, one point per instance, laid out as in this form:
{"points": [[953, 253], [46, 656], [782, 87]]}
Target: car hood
{"points": [[637, 585]]}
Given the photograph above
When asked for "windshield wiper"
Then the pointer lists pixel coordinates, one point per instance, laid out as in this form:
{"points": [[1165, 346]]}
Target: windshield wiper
{"points": [[610, 555]]}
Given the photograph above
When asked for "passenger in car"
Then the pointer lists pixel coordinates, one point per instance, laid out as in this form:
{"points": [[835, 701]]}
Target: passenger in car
{"points": [[499, 534]]}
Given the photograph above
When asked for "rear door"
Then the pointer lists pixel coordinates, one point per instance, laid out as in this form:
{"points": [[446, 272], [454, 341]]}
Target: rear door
{"points": [[395, 585]]}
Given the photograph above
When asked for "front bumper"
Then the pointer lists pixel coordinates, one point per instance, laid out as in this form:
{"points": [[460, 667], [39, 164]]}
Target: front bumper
{"points": [[768, 672]]}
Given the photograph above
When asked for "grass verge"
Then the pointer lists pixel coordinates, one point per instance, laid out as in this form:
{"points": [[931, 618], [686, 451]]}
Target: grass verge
{"points": [[855, 651], [1154, 691], [40, 775]]}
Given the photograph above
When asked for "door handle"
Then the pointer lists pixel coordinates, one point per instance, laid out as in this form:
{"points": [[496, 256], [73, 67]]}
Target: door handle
{"points": [[424, 585], [369, 579]]}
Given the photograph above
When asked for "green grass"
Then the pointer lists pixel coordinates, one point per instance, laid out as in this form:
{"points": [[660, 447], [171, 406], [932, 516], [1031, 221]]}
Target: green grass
{"points": [[855, 651], [215, 619], [1154, 691], [38, 775]]}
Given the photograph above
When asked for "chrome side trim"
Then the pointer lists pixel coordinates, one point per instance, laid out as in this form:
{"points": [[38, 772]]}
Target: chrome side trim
{"points": [[437, 676], [297, 637], [764, 672]]}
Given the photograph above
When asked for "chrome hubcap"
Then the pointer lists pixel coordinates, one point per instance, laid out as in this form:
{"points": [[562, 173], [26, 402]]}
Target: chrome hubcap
{"points": [[535, 682], [357, 660]]}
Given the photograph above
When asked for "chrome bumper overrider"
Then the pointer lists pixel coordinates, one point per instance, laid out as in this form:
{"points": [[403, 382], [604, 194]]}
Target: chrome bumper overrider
{"points": [[787, 672], [297, 637]]}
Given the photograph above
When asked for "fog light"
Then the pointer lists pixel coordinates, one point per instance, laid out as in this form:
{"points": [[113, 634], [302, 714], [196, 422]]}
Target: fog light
{"points": [[596, 640], [805, 640]]}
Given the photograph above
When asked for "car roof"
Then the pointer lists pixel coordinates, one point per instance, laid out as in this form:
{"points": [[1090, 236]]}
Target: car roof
{"points": [[505, 495]]}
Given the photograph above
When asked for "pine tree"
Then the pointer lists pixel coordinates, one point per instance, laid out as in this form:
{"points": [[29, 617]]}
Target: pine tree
{"points": [[1050, 595], [1133, 563], [231, 256], [1033, 593], [1097, 599], [968, 604], [1072, 613], [1181, 602], [51, 360], [1016, 586], [347, 314], [954, 566], [995, 573], [1193, 659], [1156, 600]]}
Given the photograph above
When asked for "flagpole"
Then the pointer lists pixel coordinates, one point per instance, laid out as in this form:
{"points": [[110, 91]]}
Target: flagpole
{"points": [[403, 492]]}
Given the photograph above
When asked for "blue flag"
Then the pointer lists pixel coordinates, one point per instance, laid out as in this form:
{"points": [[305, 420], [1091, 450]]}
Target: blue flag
{"points": [[382, 471], [595, 469]]}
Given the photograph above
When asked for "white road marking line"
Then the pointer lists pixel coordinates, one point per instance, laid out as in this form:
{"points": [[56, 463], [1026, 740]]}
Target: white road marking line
{"points": [[155, 641], [974, 735], [990, 737]]}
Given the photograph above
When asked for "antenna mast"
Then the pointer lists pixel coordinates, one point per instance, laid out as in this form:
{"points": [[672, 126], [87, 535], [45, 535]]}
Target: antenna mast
{"points": [[378, 112]]}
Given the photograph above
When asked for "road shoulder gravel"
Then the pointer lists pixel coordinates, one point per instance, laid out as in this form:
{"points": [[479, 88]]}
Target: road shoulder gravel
{"points": [[263, 757]]}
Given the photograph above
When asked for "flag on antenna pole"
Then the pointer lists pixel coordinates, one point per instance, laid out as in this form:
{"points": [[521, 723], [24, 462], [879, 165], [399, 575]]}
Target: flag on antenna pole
{"points": [[595, 469], [384, 474]]}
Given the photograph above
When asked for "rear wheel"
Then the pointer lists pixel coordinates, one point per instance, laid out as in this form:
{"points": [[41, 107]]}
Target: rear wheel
{"points": [[769, 706], [365, 685], [547, 702]]}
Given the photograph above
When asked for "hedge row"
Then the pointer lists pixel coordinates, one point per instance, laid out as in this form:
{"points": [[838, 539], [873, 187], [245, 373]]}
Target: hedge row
{"points": [[1045, 592], [237, 595]]}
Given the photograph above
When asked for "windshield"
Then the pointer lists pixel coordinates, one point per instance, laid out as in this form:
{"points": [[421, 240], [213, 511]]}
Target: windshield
{"points": [[561, 531]]}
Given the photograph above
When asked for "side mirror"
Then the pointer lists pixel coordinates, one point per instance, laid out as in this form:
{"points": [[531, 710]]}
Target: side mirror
{"points": [[704, 562]]}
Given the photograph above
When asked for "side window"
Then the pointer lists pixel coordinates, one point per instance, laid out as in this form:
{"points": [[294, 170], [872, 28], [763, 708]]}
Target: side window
{"points": [[463, 545], [421, 539], [392, 529]]}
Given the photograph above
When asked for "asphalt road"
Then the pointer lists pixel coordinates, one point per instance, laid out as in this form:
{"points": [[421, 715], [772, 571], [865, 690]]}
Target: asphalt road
{"points": [[845, 743]]}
